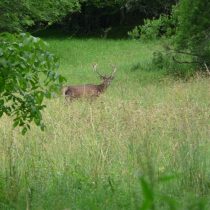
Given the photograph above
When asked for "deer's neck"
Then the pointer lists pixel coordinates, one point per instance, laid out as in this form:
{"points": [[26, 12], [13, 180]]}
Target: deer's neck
{"points": [[102, 87]]}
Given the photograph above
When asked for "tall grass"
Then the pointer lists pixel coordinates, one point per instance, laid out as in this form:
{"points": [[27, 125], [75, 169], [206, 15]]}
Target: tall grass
{"points": [[144, 144]]}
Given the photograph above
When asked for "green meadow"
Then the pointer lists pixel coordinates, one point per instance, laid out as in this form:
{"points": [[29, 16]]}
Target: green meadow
{"points": [[143, 144]]}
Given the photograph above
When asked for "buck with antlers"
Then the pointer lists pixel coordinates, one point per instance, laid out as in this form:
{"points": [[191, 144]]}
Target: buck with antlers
{"points": [[89, 90]]}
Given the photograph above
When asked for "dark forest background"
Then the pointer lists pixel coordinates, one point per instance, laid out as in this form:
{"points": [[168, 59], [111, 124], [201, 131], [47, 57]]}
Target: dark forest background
{"points": [[80, 17]]}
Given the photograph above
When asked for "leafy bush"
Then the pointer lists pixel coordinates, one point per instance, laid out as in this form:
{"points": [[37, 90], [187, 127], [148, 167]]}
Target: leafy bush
{"points": [[188, 27], [152, 29], [27, 76], [190, 46], [193, 31]]}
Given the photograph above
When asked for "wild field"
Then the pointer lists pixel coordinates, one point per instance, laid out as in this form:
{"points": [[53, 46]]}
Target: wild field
{"points": [[143, 144]]}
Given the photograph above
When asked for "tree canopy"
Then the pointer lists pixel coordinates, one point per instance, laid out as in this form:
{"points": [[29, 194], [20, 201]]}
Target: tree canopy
{"points": [[19, 15]]}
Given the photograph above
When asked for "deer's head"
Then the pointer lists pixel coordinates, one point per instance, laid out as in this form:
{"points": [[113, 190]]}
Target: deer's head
{"points": [[106, 79]]}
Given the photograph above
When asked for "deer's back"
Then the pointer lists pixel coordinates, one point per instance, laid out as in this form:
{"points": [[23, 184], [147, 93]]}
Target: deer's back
{"points": [[82, 90]]}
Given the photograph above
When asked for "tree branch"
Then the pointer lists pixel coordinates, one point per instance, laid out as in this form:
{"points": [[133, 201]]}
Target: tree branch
{"points": [[180, 51], [182, 62]]}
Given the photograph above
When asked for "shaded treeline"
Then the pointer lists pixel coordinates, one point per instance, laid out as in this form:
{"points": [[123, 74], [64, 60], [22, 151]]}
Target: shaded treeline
{"points": [[86, 17], [113, 20]]}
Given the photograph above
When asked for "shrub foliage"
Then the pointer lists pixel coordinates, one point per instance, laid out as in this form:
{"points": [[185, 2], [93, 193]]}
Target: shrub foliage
{"points": [[155, 28], [188, 26], [193, 31], [27, 76], [19, 15]]}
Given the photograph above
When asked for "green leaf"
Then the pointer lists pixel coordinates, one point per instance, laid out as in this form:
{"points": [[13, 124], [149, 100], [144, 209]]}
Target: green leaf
{"points": [[24, 130], [1, 52], [1, 113], [37, 121], [1, 102], [15, 124]]}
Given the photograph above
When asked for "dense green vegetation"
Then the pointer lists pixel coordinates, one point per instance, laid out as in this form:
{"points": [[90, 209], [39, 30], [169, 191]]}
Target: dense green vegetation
{"points": [[188, 29], [142, 145], [193, 34], [28, 75], [83, 16], [19, 15]]}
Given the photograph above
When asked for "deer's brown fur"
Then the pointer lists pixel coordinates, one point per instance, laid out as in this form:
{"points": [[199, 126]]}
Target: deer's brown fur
{"points": [[88, 90]]}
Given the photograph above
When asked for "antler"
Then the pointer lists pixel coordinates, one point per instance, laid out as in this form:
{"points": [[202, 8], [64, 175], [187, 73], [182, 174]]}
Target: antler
{"points": [[95, 69], [114, 69]]}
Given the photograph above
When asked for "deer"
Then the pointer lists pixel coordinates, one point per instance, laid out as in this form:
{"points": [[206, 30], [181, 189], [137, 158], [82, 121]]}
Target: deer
{"points": [[89, 90]]}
